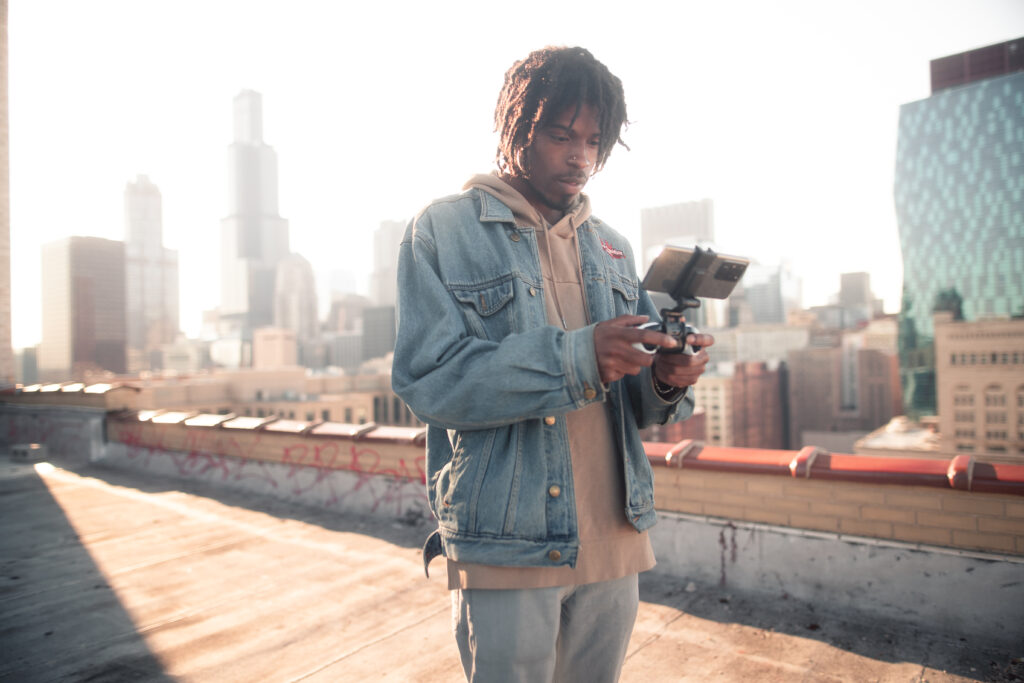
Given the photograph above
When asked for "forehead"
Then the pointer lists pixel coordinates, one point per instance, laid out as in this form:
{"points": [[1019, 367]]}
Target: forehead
{"points": [[582, 117]]}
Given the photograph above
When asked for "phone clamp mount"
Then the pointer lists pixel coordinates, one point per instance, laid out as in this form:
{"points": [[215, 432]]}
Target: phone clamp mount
{"points": [[686, 273]]}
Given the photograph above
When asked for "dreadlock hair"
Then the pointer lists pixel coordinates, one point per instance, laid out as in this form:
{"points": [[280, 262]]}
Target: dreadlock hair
{"points": [[543, 85]]}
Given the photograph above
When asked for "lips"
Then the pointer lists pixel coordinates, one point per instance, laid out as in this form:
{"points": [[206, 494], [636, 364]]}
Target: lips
{"points": [[574, 183]]}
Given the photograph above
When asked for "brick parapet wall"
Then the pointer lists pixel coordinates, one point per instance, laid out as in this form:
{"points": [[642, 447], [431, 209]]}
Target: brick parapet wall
{"points": [[954, 503], [955, 519], [366, 449]]}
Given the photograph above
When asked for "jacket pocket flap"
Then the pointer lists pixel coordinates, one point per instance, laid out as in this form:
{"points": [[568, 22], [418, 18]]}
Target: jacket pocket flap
{"points": [[629, 289], [486, 300]]}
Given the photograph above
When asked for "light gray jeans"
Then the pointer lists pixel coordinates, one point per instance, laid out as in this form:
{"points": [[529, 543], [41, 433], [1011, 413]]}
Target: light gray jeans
{"points": [[534, 635]]}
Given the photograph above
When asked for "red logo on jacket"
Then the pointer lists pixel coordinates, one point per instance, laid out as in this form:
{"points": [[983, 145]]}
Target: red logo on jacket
{"points": [[610, 250]]}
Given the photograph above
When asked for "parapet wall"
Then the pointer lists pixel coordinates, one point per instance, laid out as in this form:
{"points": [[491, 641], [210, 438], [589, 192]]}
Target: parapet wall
{"points": [[957, 504], [938, 542], [953, 503]]}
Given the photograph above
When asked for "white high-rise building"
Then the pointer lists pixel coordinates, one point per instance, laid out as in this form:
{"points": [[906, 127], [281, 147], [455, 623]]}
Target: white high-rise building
{"points": [[254, 237], [151, 277], [6, 352], [295, 304], [684, 224], [383, 280]]}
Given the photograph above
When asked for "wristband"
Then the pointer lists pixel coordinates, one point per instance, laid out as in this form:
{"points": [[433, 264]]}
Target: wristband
{"points": [[665, 390]]}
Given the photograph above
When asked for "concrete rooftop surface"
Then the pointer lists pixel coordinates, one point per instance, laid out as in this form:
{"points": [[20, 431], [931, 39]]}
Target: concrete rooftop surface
{"points": [[111, 575]]}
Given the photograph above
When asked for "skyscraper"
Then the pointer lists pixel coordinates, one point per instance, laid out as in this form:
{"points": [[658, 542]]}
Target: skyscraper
{"points": [[6, 352], [83, 308], [959, 195], [682, 224], [766, 295], [383, 281], [254, 238], [151, 277], [295, 305]]}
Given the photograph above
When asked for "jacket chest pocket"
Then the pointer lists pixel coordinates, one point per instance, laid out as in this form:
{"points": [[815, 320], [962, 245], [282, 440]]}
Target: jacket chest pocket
{"points": [[488, 309], [625, 294]]}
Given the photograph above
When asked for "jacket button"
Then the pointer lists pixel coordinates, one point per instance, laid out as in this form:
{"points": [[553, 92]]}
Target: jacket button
{"points": [[549, 420], [589, 393], [533, 291], [554, 556], [554, 490], [514, 236]]}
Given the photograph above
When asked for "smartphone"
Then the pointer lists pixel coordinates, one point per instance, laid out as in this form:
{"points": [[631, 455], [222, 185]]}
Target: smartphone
{"points": [[694, 272]]}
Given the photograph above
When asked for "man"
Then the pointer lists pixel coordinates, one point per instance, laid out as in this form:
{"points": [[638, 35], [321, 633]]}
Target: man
{"points": [[518, 320]]}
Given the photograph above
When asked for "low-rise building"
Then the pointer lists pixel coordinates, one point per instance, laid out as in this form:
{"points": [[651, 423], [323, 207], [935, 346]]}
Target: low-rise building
{"points": [[979, 369]]}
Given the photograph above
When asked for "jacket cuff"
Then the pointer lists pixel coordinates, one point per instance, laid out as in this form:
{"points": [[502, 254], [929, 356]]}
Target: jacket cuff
{"points": [[581, 371]]}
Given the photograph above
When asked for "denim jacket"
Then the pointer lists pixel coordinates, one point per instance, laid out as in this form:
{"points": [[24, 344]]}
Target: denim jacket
{"points": [[477, 361]]}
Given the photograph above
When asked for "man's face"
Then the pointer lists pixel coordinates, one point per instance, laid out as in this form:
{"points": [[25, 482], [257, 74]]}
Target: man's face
{"points": [[560, 161]]}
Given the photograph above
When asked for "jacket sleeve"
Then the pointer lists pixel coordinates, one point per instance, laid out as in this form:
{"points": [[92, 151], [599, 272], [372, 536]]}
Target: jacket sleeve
{"points": [[453, 379]]}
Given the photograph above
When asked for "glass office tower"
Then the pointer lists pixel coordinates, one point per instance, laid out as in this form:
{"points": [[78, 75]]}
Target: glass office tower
{"points": [[959, 195]]}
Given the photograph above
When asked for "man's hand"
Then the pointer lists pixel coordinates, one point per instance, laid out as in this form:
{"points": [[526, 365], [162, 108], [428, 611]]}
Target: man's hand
{"points": [[681, 369], [616, 356]]}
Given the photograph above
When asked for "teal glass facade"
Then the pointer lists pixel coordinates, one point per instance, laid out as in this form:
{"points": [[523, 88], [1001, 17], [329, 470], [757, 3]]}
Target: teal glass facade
{"points": [[959, 195]]}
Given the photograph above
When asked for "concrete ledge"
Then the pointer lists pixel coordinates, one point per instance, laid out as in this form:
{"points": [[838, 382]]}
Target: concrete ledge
{"points": [[976, 594]]}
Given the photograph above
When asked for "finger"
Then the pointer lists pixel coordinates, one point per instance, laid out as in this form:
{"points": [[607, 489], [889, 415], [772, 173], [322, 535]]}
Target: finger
{"points": [[701, 340], [628, 320], [652, 338]]}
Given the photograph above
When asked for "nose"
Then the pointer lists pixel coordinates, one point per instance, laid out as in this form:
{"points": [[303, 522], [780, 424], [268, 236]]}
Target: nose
{"points": [[578, 155]]}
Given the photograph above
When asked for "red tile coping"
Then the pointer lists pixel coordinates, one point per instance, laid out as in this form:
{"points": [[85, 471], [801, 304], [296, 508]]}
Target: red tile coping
{"points": [[961, 472]]}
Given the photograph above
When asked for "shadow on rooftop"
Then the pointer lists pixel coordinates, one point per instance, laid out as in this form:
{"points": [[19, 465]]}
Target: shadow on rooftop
{"points": [[59, 618]]}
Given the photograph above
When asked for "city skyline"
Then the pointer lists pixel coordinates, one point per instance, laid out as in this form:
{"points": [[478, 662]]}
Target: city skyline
{"points": [[787, 121]]}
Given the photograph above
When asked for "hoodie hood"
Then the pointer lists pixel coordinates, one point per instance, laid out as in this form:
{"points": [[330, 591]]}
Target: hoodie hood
{"points": [[524, 212]]}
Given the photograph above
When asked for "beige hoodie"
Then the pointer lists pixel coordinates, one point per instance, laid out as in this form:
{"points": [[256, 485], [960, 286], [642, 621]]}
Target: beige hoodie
{"points": [[610, 546]]}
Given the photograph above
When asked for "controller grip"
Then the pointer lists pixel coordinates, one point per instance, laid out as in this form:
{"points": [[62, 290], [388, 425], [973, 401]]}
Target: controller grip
{"points": [[692, 330]]}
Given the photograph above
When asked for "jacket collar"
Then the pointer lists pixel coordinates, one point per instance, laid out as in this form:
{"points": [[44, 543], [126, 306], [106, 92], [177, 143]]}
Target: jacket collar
{"points": [[492, 209]]}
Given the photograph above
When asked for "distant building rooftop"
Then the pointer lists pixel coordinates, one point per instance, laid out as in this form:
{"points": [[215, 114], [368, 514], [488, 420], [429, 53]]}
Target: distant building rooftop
{"points": [[901, 435]]}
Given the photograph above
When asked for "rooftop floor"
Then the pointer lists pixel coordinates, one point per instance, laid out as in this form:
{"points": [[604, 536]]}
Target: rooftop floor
{"points": [[108, 575]]}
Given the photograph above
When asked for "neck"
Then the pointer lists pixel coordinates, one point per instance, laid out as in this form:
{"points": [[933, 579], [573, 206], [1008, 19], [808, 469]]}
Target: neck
{"points": [[552, 214]]}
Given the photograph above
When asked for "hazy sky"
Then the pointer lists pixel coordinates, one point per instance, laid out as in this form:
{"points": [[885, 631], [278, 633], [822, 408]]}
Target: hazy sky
{"points": [[784, 113]]}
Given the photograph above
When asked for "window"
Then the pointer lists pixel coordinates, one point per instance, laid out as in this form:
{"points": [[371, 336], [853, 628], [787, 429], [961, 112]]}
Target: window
{"points": [[994, 396]]}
